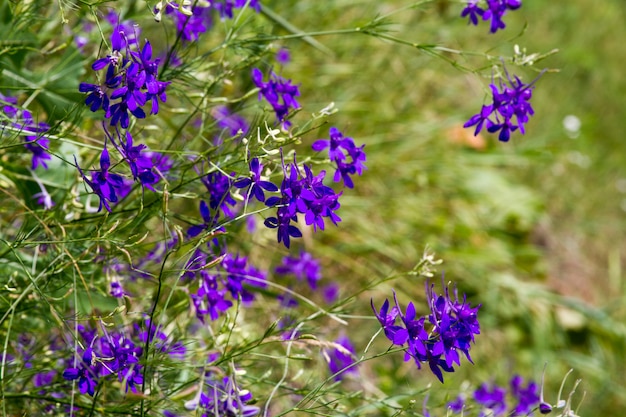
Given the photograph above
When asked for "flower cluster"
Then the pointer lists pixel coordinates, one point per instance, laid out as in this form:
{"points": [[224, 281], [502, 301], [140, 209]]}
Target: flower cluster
{"points": [[103, 356], [452, 326], [145, 167], [231, 277], [508, 102], [344, 154], [302, 193], [494, 11], [303, 267], [340, 358], [492, 399], [222, 398], [22, 122], [280, 93], [130, 82]]}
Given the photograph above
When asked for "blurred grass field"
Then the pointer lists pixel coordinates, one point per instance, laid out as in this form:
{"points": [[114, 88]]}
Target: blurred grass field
{"points": [[533, 228]]}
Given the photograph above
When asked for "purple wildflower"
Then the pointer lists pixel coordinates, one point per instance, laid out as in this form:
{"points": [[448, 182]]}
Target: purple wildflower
{"points": [[303, 267], [189, 28], [108, 186], [283, 57], [341, 358], [527, 397], [254, 182], [280, 93], [224, 398], [492, 398], [509, 101], [232, 122], [344, 153], [494, 11], [84, 373]]}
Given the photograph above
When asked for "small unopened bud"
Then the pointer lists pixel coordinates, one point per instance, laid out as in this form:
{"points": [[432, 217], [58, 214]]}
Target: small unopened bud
{"points": [[545, 408]]}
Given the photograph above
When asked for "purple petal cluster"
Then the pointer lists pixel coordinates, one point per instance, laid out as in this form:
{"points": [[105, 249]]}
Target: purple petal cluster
{"points": [[341, 358], [305, 194], [131, 81], [510, 110], [254, 183], [108, 186], [224, 398], [226, 7], [304, 267], [218, 186], [22, 121], [189, 28], [231, 122], [230, 280], [345, 154], [106, 355], [451, 327], [493, 10], [494, 401], [280, 93]]}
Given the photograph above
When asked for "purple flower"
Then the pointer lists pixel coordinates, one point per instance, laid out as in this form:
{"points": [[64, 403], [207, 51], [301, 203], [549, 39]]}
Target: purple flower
{"points": [[224, 398], [527, 397], [494, 11], [280, 93], [209, 299], [341, 358], [344, 153], [84, 373], [218, 185], [509, 111], [191, 27], [492, 398], [232, 122], [254, 182], [116, 289], [283, 57], [303, 267], [108, 186]]}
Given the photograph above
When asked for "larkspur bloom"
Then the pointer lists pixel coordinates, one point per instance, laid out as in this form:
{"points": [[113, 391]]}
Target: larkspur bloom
{"points": [[254, 182], [280, 93], [340, 358], [191, 23], [131, 80], [492, 398], [508, 102], [305, 194], [344, 153], [227, 7], [108, 186], [223, 398], [220, 200], [233, 123], [23, 123], [303, 267], [493, 10], [451, 327]]}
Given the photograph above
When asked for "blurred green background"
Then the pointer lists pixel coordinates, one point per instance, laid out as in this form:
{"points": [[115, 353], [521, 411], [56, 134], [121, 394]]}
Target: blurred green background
{"points": [[532, 229]]}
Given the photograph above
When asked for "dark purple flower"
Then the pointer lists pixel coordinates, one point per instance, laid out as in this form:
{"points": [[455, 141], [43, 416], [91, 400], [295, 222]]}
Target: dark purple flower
{"points": [[116, 289], [492, 398], [232, 122], [191, 27], [527, 397], [509, 111], [224, 398], [304, 267], [345, 154], [280, 93], [254, 182], [494, 11], [85, 373], [283, 57], [341, 358], [108, 186]]}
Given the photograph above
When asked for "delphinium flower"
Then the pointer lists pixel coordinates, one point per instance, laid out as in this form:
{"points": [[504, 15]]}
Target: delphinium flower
{"points": [[154, 335], [84, 372], [222, 397], [451, 327], [116, 289], [254, 183], [108, 186], [218, 186], [340, 358], [493, 10], [22, 122], [344, 154], [233, 123], [283, 57], [239, 274], [304, 267], [495, 401], [280, 93], [305, 194], [131, 80], [508, 102], [226, 7], [190, 22]]}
